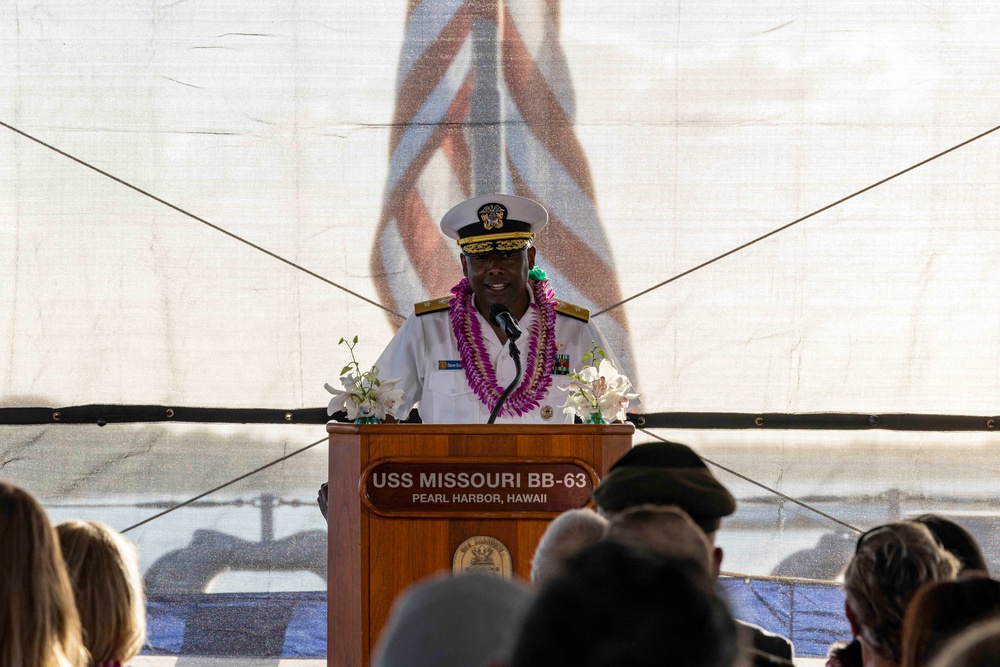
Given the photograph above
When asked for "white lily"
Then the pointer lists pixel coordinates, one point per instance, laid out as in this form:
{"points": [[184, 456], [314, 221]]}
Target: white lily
{"points": [[361, 399], [616, 395], [576, 402], [599, 389], [352, 400], [365, 396], [340, 398], [388, 399]]}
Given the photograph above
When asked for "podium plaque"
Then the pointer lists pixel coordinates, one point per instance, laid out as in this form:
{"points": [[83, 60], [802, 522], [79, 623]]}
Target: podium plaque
{"points": [[410, 500]]}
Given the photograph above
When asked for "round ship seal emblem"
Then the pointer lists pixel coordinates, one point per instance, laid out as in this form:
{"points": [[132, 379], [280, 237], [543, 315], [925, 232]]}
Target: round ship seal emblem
{"points": [[482, 554]]}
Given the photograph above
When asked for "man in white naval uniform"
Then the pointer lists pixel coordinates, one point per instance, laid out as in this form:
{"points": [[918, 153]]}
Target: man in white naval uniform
{"points": [[446, 351], [457, 379]]}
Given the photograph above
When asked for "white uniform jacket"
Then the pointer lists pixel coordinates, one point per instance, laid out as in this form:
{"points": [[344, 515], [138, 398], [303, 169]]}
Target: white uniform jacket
{"points": [[424, 355]]}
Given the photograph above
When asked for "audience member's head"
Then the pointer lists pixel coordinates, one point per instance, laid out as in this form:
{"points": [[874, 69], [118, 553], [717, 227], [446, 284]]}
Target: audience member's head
{"points": [[663, 529], [620, 606], [467, 620], [979, 646], [943, 609], [955, 539], [567, 535], [104, 571], [891, 563], [752, 657], [846, 654], [39, 625], [666, 473]]}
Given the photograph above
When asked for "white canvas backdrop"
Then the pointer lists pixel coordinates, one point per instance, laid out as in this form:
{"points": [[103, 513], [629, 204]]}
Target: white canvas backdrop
{"points": [[704, 125]]}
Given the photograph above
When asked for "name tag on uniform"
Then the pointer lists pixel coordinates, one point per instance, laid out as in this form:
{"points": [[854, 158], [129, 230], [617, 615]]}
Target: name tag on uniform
{"points": [[561, 365], [450, 365]]}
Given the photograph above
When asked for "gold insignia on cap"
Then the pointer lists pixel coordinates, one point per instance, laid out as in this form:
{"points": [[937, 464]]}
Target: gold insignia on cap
{"points": [[506, 242], [514, 244], [492, 216], [477, 248], [483, 554]]}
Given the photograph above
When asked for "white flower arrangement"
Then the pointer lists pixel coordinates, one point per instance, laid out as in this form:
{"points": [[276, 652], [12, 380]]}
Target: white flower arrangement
{"points": [[598, 393], [365, 397]]}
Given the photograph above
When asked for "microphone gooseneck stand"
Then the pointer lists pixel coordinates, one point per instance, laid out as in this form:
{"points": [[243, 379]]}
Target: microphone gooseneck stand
{"points": [[501, 316], [515, 354]]}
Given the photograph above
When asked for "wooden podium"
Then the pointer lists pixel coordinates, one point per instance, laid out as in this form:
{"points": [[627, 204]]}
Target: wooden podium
{"points": [[409, 500]]}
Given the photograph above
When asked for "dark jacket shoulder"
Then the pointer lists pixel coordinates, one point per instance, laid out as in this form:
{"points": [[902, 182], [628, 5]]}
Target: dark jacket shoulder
{"points": [[768, 642]]}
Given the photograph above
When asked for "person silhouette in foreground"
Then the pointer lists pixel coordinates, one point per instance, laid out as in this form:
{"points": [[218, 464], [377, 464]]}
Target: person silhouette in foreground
{"points": [[615, 605], [104, 569], [39, 624], [465, 620], [669, 473], [957, 541], [891, 563]]}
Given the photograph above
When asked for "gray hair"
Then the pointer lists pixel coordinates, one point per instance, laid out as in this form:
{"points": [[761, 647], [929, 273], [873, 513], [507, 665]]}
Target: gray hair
{"points": [[891, 563], [663, 529], [466, 619], [569, 533]]}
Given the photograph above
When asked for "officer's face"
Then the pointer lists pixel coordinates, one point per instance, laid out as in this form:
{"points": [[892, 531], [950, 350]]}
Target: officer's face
{"points": [[500, 277]]}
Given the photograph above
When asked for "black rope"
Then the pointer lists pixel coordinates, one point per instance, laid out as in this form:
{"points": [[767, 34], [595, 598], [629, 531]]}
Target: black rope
{"points": [[222, 486], [398, 315], [201, 220], [767, 488], [795, 222]]}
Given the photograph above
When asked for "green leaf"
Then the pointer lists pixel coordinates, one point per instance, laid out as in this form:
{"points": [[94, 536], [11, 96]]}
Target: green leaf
{"points": [[345, 369], [341, 341], [355, 340]]}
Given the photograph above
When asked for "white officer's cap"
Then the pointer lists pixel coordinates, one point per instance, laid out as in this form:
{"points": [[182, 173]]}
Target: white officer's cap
{"points": [[494, 223]]}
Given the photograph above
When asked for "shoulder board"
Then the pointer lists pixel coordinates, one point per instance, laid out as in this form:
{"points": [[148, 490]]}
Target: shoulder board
{"points": [[572, 310], [432, 306]]}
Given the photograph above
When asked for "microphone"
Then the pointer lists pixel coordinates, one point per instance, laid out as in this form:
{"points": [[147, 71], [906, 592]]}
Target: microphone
{"points": [[501, 316]]}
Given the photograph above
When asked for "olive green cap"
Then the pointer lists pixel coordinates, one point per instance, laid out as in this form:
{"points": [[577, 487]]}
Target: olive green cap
{"points": [[666, 473]]}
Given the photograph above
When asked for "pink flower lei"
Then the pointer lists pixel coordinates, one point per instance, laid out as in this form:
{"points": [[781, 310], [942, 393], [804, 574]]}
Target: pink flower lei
{"points": [[479, 370]]}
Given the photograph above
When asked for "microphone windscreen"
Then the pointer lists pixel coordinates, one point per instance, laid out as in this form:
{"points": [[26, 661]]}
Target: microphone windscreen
{"points": [[495, 311]]}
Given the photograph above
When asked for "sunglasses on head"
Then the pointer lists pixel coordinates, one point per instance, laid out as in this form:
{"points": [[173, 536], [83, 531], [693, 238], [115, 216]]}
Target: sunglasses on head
{"points": [[868, 534], [885, 528]]}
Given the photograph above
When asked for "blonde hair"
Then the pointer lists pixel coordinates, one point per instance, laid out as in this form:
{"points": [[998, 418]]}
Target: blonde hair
{"points": [[104, 569], [891, 563], [39, 624]]}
